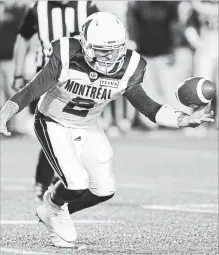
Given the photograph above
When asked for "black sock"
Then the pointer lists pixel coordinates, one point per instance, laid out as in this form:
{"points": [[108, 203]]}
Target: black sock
{"points": [[87, 200], [61, 195]]}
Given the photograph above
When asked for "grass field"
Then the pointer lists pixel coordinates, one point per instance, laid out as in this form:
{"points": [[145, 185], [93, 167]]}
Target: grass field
{"points": [[166, 200]]}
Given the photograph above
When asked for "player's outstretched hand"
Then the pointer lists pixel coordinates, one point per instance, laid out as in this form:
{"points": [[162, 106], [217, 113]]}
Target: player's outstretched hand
{"points": [[4, 130], [201, 115], [3, 127], [6, 113]]}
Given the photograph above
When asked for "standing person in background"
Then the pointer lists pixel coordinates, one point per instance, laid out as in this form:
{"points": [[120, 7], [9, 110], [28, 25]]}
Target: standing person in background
{"points": [[184, 50], [50, 20], [202, 35], [202, 32], [152, 26], [11, 14]]}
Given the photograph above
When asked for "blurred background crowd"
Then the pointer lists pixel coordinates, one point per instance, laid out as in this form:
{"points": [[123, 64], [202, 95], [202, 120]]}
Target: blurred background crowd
{"points": [[178, 39]]}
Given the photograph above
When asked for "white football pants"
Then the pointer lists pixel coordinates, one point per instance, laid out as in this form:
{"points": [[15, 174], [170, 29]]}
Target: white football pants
{"points": [[81, 157]]}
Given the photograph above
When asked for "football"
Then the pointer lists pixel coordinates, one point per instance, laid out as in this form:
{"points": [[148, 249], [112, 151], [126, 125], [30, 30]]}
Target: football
{"points": [[196, 91]]}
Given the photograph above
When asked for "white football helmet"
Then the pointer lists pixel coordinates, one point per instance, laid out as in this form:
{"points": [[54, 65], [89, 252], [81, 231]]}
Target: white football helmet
{"points": [[104, 31]]}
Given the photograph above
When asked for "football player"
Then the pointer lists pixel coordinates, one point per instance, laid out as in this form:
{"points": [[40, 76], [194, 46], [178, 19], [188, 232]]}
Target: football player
{"points": [[76, 84], [49, 20]]}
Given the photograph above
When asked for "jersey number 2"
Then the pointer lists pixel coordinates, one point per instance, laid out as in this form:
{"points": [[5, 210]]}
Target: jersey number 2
{"points": [[79, 106]]}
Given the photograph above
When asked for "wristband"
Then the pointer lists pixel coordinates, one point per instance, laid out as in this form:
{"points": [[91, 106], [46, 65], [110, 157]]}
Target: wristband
{"points": [[8, 110], [168, 116]]}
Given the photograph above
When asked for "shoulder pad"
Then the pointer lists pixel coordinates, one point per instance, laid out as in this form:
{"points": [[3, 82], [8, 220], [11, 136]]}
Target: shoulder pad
{"points": [[55, 48], [136, 68], [64, 49], [141, 64], [74, 46], [134, 63]]}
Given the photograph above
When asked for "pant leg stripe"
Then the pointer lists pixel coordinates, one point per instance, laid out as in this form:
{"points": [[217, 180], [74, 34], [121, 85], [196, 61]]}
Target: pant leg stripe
{"points": [[49, 144], [50, 152], [46, 152]]}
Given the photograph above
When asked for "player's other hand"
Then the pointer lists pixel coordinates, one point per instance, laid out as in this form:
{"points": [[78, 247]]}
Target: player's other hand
{"points": [[200, 115], [18, 83]]}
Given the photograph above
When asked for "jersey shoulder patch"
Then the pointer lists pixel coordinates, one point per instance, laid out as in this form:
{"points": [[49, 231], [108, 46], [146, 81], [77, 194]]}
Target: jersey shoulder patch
{"points": [[64, 49]]}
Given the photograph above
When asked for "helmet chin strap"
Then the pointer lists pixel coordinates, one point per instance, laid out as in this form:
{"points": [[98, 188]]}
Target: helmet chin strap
{"points": [[94, 59]]}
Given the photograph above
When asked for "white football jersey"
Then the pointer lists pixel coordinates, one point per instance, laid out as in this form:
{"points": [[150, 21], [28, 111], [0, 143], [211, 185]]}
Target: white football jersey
{"points": [[81, 94]]}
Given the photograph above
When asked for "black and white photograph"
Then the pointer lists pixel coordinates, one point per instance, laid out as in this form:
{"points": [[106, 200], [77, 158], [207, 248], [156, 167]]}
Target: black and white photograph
{"points": [[109, 127]]}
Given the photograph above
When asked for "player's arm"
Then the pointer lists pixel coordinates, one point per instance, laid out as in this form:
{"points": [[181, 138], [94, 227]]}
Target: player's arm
{"points": [[22, 46], [42, 82], [163, 115]]}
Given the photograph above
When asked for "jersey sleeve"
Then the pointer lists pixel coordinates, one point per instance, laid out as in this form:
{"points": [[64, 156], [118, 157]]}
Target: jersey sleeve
{"points": [[142, 102], [138, 75], [64, 49], [29, 26], [55, 49], [41, 83]]}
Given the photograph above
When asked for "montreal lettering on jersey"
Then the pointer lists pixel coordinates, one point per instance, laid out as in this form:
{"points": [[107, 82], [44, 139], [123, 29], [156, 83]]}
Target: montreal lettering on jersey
{"points": [[88, 90]]}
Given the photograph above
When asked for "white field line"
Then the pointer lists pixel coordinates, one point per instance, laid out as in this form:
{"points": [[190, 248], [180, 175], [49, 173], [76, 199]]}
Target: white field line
{"points": [[17, 180], [135, 186], [21, 251], [33, 222], [189, 153], [197, 208], [167, 188], [206, 191], [16, 188]]}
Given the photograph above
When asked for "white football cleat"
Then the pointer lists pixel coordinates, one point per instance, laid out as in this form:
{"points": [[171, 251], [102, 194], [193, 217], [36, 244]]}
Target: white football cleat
{"points": [[55, 239], [57, 219]]}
